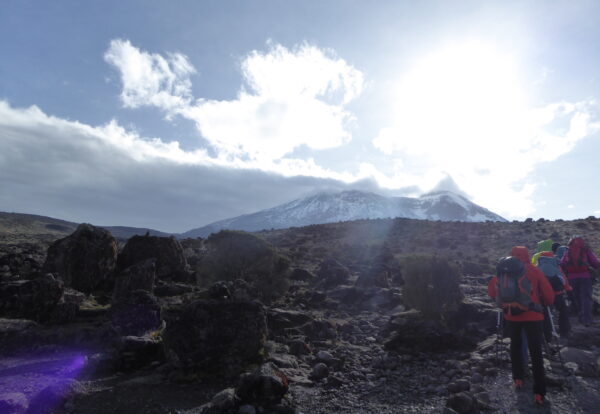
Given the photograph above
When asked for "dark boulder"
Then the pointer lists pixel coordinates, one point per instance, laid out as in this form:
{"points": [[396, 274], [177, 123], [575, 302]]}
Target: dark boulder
{"points": [[319, 330], [136, 314], [135, 352], [22, 264], [217, 336], [302, 275], [332, 273], [279, 320], [463, 403], [219, 290], [167, 289], [265, 386], [223, 402], [85, 260], [139, 276], [31, 299], [411, 333], [167, 251]]}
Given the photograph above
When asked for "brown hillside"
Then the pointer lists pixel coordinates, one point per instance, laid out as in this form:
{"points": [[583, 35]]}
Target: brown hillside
{"points": [[476, 245]]}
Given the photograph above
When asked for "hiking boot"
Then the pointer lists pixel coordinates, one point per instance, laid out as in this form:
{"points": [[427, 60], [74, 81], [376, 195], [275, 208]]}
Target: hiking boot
{"points": [[538, 399], [518, 384]]}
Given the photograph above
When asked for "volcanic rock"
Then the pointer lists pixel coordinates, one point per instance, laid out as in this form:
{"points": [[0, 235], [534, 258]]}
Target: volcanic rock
{"points": [[134, 352], [332, 273], [31, 299], [139, 276], [217, 336], [167, 251], [85, 260], [265, 386], [136, 314], [413, 334]]}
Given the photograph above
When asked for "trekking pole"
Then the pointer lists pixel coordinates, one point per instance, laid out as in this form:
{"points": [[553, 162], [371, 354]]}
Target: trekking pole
{"points": [[498, 335], [555, 336]]}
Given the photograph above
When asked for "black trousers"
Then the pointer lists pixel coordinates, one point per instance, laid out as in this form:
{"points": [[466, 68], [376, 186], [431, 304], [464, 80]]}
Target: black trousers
{"points": [[533, 330]]}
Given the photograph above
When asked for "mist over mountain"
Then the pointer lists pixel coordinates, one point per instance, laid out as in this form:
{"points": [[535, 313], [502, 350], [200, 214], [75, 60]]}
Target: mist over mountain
{"points": [[354, 205]]}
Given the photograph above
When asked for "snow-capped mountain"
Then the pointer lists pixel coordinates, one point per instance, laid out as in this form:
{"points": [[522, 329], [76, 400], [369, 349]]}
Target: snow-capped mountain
{"points": [[353, 205]]}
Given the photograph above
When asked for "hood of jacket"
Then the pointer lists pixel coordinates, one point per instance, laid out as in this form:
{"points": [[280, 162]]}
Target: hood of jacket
{"points": [[520, 252], [544, 246]]}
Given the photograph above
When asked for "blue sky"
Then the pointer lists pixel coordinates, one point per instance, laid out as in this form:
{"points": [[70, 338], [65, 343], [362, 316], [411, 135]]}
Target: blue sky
{"points": [[172, 115]]}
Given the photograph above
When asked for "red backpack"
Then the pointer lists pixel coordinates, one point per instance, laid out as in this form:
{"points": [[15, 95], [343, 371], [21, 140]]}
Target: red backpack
{"points": [[577, 254]]}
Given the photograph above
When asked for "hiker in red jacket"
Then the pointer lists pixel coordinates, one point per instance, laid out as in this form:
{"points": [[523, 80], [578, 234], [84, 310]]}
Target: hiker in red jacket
{"points": [[522, 290], [576, 263]]}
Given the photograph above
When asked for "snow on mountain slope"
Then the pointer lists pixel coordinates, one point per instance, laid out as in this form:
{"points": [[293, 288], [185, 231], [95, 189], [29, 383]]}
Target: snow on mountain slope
{"points": [[353, 205]]}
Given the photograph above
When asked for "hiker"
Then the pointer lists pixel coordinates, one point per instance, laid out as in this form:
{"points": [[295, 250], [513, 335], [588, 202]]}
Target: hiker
{"points": [[521, 289], [550, 266], [576, 263], [572, 304], [542, 246]]}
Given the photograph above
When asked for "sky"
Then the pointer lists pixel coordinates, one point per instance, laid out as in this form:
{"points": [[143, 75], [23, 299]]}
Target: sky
{"points": [[172, 115]]}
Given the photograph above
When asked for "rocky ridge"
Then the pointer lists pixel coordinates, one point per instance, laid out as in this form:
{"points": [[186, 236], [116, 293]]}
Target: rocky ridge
{"points": [[340, 339]]}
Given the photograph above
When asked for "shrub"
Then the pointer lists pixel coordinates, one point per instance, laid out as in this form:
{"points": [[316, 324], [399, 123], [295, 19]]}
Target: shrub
{"points": [[239, 255], [431, 285]]}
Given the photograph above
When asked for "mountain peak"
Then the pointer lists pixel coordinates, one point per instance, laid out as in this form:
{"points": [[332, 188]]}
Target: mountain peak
{"points": [[328, 207]]}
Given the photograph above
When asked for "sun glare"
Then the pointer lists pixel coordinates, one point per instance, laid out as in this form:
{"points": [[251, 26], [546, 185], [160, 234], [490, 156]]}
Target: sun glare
{"points": [[454, 96]]}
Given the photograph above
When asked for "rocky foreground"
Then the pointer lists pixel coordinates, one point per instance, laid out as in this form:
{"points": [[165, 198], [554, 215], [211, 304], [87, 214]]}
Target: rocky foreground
{"points": [[159, 326]]}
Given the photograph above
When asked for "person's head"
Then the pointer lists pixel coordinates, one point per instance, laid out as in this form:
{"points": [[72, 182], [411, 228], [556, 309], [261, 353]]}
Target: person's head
{"points": [[560, 252], [555, 246]]}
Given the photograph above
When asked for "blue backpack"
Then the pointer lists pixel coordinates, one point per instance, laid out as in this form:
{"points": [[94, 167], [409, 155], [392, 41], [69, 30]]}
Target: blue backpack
{"points": [[550, 267]]}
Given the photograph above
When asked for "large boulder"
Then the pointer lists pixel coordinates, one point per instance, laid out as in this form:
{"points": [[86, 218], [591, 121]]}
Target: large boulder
{"points": [[217, 336], [167, 252], [265, 386], [237, 255], [85, 260], [139, 276], [412, 334], [22, 264], [136, 314], [31, 299], [332, 273], [135, 352]]}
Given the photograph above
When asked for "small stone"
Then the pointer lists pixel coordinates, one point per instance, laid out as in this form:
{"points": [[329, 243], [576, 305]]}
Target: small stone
{"points": [[483, 397], [247, 409], [462, 403], [319, 371], [459, 386], [325, 357], [477, 378]]}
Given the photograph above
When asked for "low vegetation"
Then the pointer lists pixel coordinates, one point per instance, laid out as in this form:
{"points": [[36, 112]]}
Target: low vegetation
{"points": [[431, 285], [235, 255]]}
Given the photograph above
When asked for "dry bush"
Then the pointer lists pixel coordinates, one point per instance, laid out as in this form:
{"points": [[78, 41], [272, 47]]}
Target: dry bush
{"points": [[431, 285], [239, 255]]}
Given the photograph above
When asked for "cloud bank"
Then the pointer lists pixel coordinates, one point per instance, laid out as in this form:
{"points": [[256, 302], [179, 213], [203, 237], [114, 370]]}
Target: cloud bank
{"points": [[111, 176]]}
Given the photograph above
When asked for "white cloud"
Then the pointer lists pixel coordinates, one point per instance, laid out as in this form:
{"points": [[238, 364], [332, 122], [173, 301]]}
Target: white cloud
{"points": [[150, 79], [290, 98], [461, 111]]}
